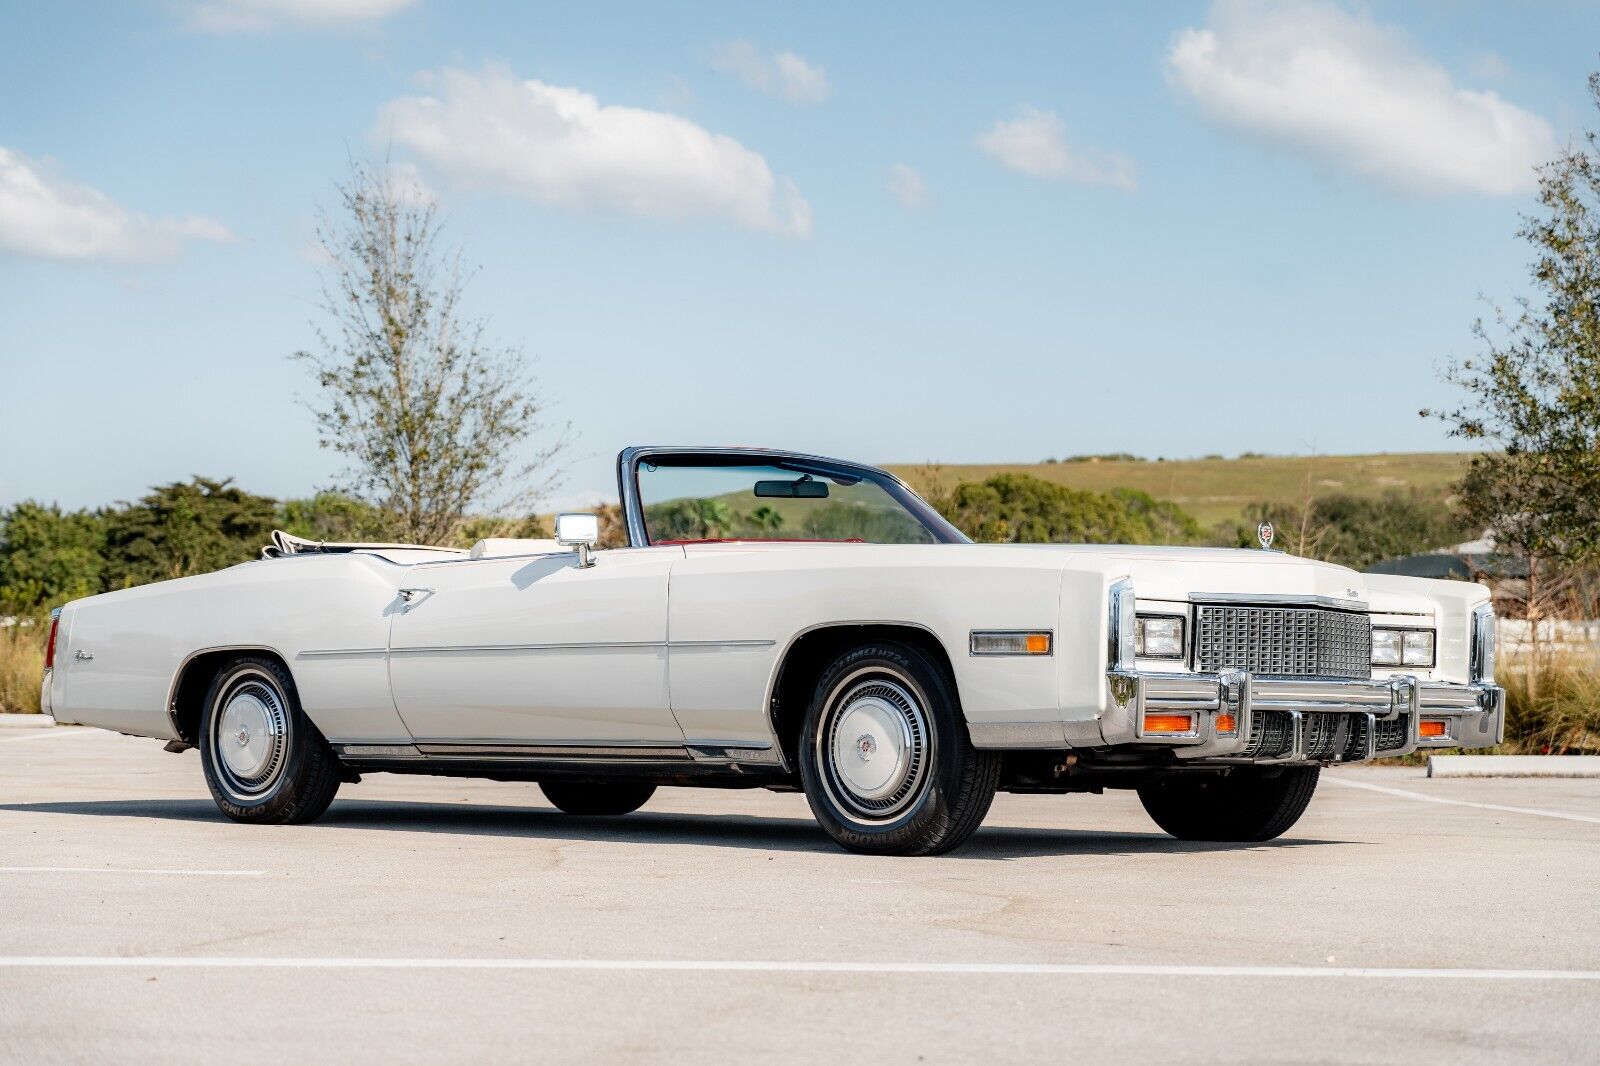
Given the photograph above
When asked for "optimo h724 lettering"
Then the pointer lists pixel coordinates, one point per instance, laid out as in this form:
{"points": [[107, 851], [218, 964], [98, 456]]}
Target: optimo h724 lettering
{"points": [[785, 621]]}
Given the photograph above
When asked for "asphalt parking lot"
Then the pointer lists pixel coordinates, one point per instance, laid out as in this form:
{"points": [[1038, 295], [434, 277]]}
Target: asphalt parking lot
{"points": [[438, 920]]}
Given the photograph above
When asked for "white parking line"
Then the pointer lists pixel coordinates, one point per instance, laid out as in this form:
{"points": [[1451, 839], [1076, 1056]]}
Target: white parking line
{"points": [[51, 733], [1017, 969], [126, 870], [1422, 797]]}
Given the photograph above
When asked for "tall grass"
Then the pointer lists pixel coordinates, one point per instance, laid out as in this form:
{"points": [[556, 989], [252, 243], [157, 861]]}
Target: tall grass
{"points": [[1552, 702], [21, 667]]}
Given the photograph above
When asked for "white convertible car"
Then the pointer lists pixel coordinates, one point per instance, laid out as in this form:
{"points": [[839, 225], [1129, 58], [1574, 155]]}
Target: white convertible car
{"points": [[788, 622]]}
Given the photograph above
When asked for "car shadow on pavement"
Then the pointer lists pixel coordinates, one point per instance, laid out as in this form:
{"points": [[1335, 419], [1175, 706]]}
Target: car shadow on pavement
{"points": [[765, 833]]}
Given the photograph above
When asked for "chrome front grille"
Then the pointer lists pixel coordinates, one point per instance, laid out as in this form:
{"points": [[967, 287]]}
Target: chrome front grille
{"points": [[1283, 641]]}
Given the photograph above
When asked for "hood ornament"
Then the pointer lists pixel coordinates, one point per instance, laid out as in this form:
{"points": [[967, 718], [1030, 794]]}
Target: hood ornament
{"points": [[1264, 533]]}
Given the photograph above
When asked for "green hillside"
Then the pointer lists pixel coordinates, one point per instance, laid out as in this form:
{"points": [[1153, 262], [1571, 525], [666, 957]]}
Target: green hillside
{"points": [[1218, 490]]}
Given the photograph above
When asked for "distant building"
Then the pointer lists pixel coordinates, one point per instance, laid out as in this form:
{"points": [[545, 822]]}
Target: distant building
{"points": [[1475, 560]]}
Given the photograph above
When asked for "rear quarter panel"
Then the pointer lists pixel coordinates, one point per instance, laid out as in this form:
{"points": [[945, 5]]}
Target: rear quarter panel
{"points": [[327, 617]]}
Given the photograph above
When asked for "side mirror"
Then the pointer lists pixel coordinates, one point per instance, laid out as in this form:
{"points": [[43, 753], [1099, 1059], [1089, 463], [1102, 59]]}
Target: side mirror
{"points": [[580, 531]]}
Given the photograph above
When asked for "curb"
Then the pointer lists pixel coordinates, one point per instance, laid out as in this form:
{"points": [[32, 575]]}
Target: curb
{"points": [[26, 721], [1514, 766]]}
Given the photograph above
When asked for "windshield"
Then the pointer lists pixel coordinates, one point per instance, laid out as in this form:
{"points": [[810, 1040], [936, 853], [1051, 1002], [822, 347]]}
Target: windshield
{"points": [[696, 499]]}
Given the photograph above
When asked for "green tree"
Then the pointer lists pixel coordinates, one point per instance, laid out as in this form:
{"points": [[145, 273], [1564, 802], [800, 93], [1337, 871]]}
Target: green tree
{"points": [[185, 528], [478, 527], [1358, 531], [765, 520], [433, 421], [334, 516], [690, 519], [1020, 508], [48, 556], [1534, 393]]}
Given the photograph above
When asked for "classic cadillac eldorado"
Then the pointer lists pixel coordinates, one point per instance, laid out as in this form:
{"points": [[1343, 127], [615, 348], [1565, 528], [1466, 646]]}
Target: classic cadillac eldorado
{"points": [[784, 621]]}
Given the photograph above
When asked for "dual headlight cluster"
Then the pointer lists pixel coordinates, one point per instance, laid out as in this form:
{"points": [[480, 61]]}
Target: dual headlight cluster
{"points": [[1401, 647], [1161, 636]]}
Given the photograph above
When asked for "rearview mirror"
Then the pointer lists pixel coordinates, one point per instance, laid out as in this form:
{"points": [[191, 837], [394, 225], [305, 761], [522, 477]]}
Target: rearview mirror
{"points": [[580, 531], [805, 488]]}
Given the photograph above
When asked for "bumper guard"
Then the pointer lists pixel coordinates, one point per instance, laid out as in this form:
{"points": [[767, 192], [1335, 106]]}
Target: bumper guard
{"points": [[1301, 720]]}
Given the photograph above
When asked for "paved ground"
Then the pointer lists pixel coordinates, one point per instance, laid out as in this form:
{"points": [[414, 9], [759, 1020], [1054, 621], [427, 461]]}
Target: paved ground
{"points": [[727, 925]]}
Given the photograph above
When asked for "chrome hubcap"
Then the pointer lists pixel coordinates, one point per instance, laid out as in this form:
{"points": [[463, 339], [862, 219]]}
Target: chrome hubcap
{"points": [[874, 748], [251, 735]]}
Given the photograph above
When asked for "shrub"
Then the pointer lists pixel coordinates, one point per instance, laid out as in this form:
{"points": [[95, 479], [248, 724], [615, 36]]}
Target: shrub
{"points": [[1558, 715], [1020, 508], [1357, 531], [21, 667]]}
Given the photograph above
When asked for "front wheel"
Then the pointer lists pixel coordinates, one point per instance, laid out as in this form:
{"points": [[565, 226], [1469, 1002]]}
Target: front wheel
{"points": [[588, 798], [263, 759], [885, 758], [1250, 804]]}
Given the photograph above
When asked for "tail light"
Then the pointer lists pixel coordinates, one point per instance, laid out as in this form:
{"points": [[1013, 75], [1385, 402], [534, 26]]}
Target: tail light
{"points": [[50, 645]]}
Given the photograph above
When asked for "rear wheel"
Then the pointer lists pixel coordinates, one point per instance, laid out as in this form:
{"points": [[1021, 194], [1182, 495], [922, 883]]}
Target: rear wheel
{"points": [[264, 761], [589, 798], [1248, 804], [885, 758]]}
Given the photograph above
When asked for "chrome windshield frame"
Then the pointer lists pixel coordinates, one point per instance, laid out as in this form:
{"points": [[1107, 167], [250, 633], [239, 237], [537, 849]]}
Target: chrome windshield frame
{"points": [[633, 505]]}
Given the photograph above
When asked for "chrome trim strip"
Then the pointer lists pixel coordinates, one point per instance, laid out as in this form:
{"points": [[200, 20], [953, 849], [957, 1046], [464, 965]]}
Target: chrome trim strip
{"points": [[1121, 608], [1483, 637], [503, 649], [340, 653], [597, 645], [1013, 735], [381, 751], [1275, 599], [177, 676], [553, 751], [735, 752]]}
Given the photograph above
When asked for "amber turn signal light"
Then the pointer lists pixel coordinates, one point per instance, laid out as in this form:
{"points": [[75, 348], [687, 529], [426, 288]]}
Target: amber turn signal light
{"points": [[1168, 723], [1010, 642], [1431, 728], [1227, 724]]}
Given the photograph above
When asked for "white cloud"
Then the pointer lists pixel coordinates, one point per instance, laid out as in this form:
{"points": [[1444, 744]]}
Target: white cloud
{"points": [[562, 147], [908, 188], [1340, 88], [407, 187], [1035, 143], [259, 16], [781, 74], [1489, 66], [44, 214]]}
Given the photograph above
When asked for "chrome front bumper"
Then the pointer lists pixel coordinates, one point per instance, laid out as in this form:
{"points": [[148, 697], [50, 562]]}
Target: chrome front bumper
{"points": [[1304, 720]]}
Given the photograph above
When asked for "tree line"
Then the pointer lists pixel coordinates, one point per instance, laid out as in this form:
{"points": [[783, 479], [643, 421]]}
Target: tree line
{"points": [[49, 556]]}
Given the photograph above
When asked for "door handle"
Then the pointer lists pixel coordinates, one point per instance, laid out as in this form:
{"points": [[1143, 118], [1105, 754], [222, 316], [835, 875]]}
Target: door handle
{"points": [[411, 596]]}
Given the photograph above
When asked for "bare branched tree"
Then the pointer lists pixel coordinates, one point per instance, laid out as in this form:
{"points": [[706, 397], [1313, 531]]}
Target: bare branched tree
{"points": [[434, 422]]}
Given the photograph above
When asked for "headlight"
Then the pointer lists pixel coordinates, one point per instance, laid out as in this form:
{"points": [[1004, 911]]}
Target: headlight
{"points": [[1402, 647], [1158, 636]]}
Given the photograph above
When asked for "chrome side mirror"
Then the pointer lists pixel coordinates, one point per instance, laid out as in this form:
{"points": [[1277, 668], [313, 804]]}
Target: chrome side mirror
{"points": [[580, 531]]}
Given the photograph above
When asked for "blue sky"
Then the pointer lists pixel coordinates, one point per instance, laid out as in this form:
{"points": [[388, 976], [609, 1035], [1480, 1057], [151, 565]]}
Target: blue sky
{"points": [[887, 232]]}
